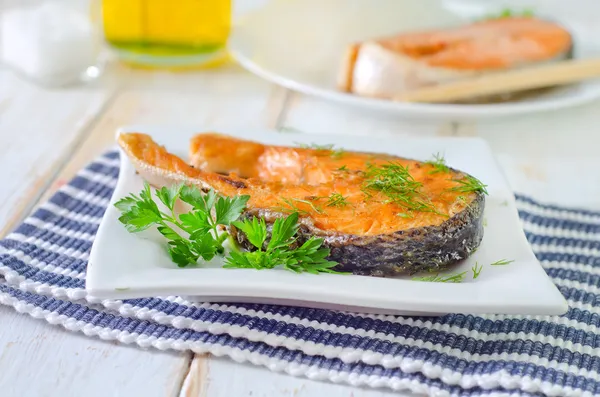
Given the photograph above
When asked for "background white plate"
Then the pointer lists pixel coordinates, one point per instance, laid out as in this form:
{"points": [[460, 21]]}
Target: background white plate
{"points": [[125, 265], [299, 44]]}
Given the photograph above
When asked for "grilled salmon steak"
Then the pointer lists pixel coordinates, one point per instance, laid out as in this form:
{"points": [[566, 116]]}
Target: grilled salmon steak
{"points": [[379, 214], [387, 67]]}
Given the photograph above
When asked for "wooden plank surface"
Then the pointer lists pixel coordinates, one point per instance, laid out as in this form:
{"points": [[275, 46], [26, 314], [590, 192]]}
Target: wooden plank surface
{"points": [[41, 360], [35, 147], [37, 126]]}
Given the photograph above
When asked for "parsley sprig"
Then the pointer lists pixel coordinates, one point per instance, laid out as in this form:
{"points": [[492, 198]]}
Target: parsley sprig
{"points": [[192, 235], [309, 257], [196, 234]]}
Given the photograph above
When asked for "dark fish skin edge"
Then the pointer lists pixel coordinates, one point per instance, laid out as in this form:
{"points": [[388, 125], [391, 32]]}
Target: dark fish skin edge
{"points": [[425, 249]]}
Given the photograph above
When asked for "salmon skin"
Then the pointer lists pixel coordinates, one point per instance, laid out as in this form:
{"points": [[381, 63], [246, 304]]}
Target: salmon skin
{"points": [[389, 66], [337, 196]]}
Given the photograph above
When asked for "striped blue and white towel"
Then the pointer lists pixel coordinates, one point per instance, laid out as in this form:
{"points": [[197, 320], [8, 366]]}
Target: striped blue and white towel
{"points": [[42, 273]]}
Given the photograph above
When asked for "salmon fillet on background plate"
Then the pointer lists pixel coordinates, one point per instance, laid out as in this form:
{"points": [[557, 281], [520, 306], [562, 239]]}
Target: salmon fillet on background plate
{"points": [[386, 67]]}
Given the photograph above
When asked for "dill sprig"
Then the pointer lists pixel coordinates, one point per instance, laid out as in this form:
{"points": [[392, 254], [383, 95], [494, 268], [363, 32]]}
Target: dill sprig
{"points": [[508, 13], [501, 262], [293, 206], [395, 181], [448, 278], [463, 200], [476, 269], [337, 153], [438, 163], [469, 184], [330, 149], [336, 200], [343, 168]]}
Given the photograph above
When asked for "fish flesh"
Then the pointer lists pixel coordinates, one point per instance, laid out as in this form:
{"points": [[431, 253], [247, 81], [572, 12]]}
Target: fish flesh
{"points": [[387, 67], [340, 196]]}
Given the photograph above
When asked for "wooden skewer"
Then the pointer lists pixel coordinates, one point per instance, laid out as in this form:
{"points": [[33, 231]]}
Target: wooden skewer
{"points": [[514, 80]]}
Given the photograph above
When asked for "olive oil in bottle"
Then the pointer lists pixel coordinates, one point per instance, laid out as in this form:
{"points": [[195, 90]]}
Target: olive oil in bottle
{"points": [[167, 33]]}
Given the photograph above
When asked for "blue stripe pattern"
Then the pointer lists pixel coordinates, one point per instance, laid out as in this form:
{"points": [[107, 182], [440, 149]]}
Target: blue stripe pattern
{"points": [[454, 354]]}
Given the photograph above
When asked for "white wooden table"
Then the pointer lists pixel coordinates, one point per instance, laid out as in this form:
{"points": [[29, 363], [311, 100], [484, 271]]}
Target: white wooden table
{"points": [[46, 136]]}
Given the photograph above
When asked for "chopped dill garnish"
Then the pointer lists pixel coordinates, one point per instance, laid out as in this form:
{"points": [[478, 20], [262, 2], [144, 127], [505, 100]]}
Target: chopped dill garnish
{"points": [[336, 200], [284, 128], [314, 146], [366, 192], [501, 262], [469, 184], [405, 214], [463, 200], [449, 278], [334, 153], [438, 163], [343, 168], [337, 153], [476, 269], [293, 207], [394, 181], [504, 203], [508, 13]]}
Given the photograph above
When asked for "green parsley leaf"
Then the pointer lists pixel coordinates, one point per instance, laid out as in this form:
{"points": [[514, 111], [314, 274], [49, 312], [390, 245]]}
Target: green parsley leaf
{"points": [[283, 231], [147, 202], [195, 223], [205, 246], [310, 257], [139, 219], [254, 229], [194, 197], [168, 196], [169, 233], [126, 203], [181, 253], [228, 209]]}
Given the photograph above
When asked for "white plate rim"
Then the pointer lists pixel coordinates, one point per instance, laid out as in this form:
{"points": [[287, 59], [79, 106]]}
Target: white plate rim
{"points": [[416, 109]]}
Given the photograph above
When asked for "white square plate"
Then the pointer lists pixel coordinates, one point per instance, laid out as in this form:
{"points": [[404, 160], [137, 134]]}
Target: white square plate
{"points": [[124, 265]]}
